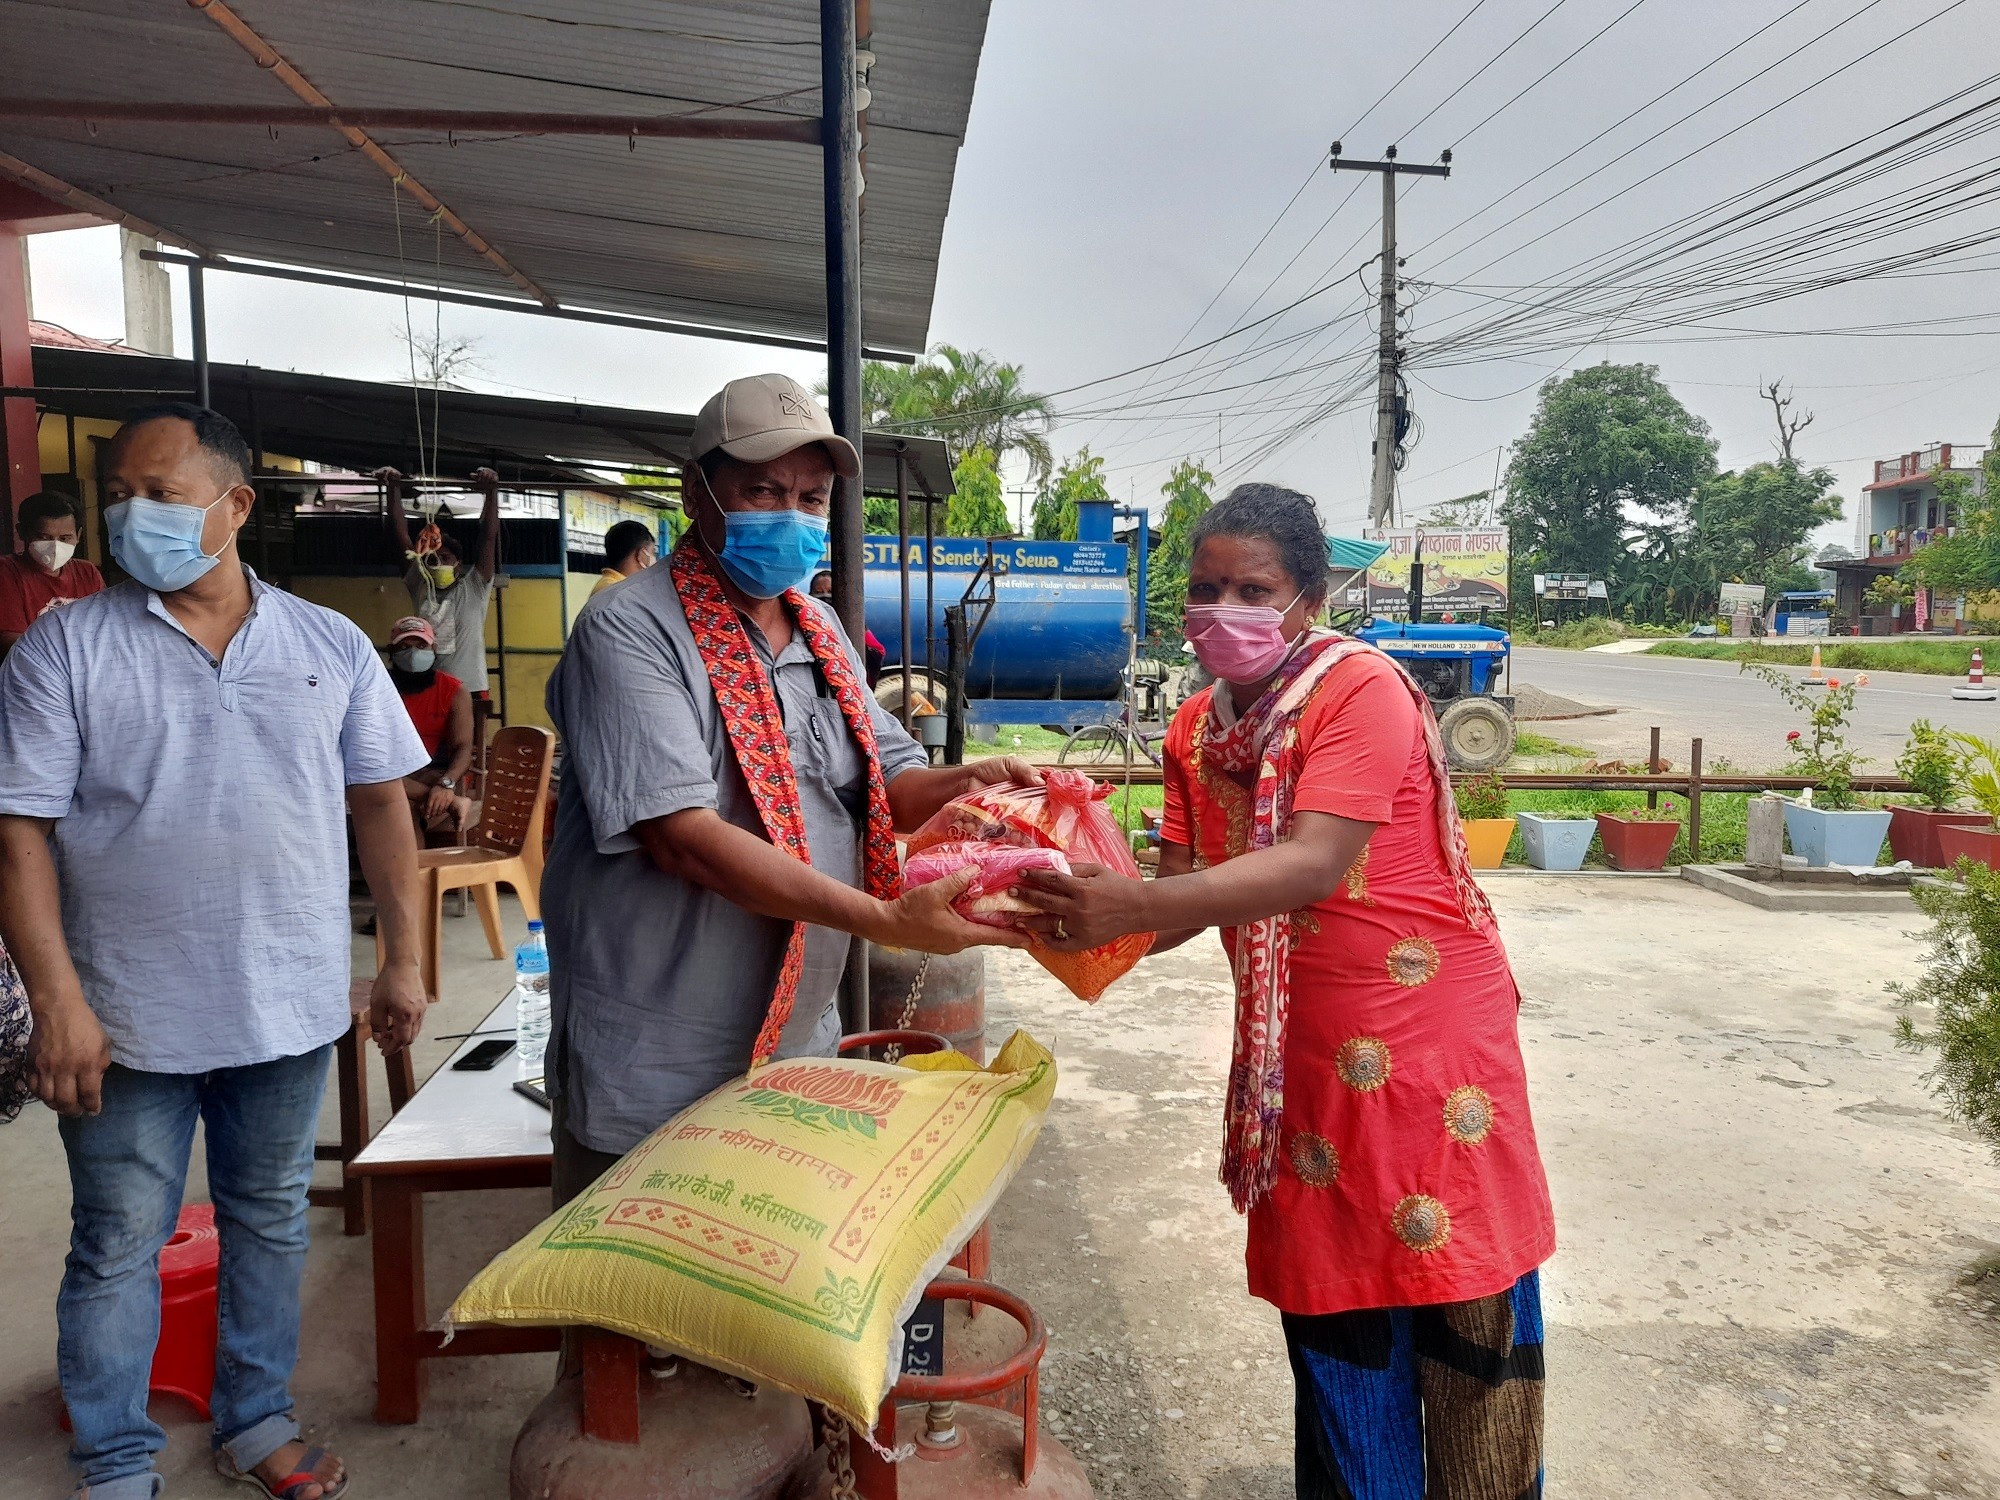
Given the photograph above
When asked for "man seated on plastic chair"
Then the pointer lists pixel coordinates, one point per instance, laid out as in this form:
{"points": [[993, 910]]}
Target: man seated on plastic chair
{"points": [[441, 709]]}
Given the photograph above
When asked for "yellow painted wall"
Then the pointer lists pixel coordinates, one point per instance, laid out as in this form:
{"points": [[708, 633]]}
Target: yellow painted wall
{"points": [[1984, 608], [54, 435], [576, 592], [535, 628], [537, 625]]}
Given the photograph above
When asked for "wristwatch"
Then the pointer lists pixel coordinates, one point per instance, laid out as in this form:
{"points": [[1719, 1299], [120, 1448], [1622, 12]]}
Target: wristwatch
{"points": [[447, 783]]}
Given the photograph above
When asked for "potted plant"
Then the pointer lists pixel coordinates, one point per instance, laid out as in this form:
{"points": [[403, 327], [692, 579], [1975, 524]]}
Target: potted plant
{"points": [[1640, 838], [1555, 843], [1934, 766], [1482, 808], [1827, 825], [1980, 844]]}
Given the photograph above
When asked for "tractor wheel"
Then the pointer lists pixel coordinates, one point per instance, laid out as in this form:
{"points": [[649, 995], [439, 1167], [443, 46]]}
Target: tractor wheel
{"points": [[1478, 734]]}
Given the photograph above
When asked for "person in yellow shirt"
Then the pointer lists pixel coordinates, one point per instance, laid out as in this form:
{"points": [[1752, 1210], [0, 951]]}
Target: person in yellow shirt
{"points": [[628, 547]]}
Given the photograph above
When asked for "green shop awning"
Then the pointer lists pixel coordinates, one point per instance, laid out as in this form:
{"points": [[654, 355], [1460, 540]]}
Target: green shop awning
{"points": [[1348, 555]]}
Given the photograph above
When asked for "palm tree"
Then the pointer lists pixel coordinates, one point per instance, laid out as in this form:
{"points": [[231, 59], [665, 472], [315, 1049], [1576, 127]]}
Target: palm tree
{"points": [[970, 400], [975, 401]]}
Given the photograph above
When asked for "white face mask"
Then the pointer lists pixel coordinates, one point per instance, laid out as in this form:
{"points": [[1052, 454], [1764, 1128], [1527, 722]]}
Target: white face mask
{"points": [[53, 556]]}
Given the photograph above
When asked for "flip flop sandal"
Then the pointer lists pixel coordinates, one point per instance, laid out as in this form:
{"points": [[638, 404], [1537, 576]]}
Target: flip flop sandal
{"points": [[287, 1488]]}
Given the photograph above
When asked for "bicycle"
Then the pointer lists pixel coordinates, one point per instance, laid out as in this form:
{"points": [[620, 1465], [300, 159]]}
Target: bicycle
{"points": [[1109, 744]]}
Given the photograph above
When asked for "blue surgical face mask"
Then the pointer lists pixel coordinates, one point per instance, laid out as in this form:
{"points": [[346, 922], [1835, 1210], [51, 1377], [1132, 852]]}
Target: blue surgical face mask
{"points": [[159, 543], [766, 552], [413, 659]]}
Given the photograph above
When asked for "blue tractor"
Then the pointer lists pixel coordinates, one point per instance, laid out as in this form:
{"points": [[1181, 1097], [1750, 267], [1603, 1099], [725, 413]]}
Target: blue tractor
{"points": [[1459, 668]]}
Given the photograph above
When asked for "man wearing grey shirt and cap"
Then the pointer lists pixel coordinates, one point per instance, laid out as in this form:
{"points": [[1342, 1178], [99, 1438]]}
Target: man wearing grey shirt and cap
{"points": [[694, 849]]}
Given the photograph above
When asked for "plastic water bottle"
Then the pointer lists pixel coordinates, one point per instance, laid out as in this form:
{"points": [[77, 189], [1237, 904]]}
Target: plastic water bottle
{"points": [[531, 1002]]}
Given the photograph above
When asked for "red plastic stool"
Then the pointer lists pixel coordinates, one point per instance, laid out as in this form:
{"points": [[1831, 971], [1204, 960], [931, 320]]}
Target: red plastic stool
{"points": [[184, 1358]]}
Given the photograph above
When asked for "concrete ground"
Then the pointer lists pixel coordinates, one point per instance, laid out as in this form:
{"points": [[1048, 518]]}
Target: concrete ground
{"points": [[1779, 1273]]}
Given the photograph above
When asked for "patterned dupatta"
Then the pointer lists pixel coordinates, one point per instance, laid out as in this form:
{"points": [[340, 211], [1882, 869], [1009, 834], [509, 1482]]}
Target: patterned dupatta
{"points": [[1265, 740], [756, 732]]}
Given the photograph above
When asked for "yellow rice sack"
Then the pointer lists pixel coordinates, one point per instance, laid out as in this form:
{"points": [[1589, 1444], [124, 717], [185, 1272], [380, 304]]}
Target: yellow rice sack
{"points": [[784, 1228]]}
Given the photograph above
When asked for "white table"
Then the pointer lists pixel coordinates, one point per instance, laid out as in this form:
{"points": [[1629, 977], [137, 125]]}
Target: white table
{"points": [[460, 1132]]}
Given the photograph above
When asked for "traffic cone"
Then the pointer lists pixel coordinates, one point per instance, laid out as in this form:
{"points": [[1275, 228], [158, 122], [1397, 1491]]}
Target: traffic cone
{"points": [[1817, 676], [1975, 688]]}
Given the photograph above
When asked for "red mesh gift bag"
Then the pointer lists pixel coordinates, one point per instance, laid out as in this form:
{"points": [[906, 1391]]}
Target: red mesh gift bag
{"points": [[1067, 813]]}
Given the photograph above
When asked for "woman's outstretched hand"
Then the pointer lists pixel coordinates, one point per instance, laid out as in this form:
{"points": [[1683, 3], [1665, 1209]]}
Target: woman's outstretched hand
{"points": [[1087, 908]]}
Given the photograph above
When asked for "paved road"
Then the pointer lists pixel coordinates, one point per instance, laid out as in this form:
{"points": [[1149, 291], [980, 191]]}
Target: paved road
{"points": [[1738, 716]]}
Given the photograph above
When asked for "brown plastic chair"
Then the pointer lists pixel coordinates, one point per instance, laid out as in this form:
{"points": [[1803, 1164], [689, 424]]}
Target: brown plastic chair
{"points": [[503, 848]]}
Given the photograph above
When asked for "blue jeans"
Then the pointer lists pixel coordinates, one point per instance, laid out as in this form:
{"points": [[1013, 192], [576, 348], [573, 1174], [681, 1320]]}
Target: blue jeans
{"points": [[127, 1169]]}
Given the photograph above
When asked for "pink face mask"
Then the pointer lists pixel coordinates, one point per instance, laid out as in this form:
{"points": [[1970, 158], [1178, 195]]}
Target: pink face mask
{"points": [[1239, 642]]}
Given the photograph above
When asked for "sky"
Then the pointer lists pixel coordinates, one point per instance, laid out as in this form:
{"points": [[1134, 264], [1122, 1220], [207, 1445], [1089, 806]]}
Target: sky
{"points": [[1125, 157]]}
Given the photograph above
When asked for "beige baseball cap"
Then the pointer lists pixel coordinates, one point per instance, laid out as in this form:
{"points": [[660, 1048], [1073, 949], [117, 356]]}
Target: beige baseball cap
{"points": [[762, 417]]}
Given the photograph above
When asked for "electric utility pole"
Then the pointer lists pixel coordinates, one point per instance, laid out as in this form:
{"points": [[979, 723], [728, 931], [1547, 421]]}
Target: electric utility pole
{"points": [[1381, 497]]}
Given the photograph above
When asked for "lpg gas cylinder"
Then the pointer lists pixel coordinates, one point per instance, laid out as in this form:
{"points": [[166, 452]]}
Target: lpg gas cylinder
{"points": [[954, 1449], [945, 993], [676, 1431]]}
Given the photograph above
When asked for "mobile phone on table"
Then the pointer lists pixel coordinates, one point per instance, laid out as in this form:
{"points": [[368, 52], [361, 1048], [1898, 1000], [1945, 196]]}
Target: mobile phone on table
{"points": [[484, 1056]]}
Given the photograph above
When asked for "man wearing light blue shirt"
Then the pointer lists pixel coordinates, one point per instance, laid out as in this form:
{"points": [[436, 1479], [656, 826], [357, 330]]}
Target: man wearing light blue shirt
{"points": [[177, 756]]}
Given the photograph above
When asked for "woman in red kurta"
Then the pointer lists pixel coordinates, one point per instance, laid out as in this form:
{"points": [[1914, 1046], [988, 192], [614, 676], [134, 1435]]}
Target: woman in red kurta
{"points": [[1378, 1130]]}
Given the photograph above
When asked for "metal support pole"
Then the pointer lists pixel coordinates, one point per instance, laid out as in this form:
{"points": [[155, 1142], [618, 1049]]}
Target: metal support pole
{"points": [[930, 596], [1382, 493], [1653, 768], [903, 568], [841, 183], [1145, 547], [957, 654], [198, 331]]}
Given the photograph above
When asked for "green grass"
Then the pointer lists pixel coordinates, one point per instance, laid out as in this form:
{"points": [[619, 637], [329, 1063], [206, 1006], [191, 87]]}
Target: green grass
{"points": [[1724, 821], [1581, 635], [1033, 738], [1527, 742], [1126, 804], [1944, 658]]}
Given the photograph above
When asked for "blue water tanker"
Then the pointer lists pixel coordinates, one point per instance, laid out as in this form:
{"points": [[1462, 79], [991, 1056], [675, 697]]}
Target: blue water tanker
{"points": [[1055, 647]]}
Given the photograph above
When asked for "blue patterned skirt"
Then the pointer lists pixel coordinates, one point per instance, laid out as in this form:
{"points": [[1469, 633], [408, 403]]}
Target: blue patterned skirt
{"points": [[1421, 1403]]}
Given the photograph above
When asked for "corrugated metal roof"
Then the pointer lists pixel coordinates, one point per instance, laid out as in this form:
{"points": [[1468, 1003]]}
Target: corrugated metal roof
{"points": [[363, 424], [719, 232]]}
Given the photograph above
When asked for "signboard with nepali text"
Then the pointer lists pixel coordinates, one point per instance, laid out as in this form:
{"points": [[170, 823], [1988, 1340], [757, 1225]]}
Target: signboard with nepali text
{"points": [[1465, 570]]}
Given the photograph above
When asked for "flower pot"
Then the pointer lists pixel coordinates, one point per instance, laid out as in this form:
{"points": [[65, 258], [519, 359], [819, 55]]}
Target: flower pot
{"points": [[1980, 845], [1486, 841], [1556, 843], [1635, 843], [1824, 838], [1913, 833]]}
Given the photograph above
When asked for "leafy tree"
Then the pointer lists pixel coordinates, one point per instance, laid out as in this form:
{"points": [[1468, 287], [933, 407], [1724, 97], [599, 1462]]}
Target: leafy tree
{"points": [[878, 515], [1466, 510], [1605, 443], [1080, 478], [890, 393], [1189, 491], [977, 508], [1753, 526], [1046, 520], [968, 398]]}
